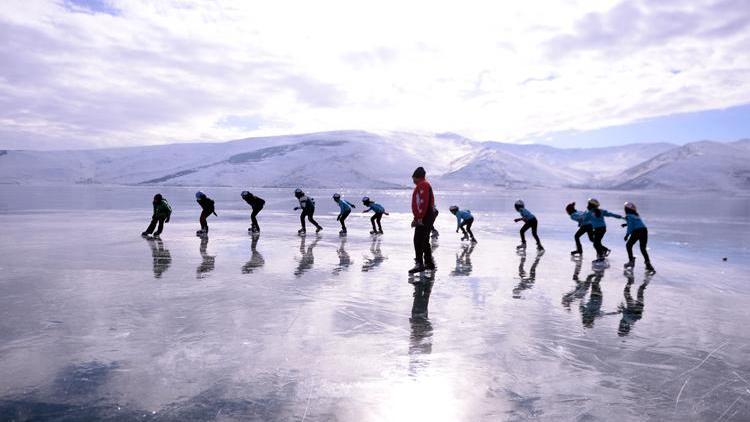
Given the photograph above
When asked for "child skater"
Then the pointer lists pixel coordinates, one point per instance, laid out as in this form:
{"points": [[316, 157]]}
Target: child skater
{"points": [[207, 208], [345, 209], [464, 220], [599, 226], [637, 232], [529, 222], [257, 203], [162, 212], [584, 227], [307, 205], [379, 210]]}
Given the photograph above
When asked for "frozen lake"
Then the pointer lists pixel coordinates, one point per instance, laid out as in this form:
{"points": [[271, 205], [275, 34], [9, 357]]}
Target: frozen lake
{"points": [[99, 323]]}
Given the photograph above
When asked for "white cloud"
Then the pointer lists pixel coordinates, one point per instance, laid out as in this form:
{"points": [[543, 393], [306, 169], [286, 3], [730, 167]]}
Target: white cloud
{"points": [[82, 73]]}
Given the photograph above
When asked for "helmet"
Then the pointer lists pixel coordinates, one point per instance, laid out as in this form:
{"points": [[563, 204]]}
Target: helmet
{"points": [[570, 208], [199, 195], [336, 196], [593, 202], [630, 206], [158, 197], [453, 208], [245, 194], [298, 192], [365, 199], [519, 204]]}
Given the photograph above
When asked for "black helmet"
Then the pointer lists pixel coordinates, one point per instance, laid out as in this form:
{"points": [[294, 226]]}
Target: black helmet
{"points": [[298, 192], [158, 197], [246, 194], [336, 196], [453, 208], [365, 199], [419, 173]]}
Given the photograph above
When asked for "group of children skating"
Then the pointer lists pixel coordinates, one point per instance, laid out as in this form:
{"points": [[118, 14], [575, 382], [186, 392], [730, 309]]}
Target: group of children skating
{"points": [[591, 221]]}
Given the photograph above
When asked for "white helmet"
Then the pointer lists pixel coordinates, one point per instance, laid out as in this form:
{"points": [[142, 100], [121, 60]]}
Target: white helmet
{"points": [[630, 206]]}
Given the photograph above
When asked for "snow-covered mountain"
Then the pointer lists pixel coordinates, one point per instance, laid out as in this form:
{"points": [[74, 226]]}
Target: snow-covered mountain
{"points": [[363, 159]]}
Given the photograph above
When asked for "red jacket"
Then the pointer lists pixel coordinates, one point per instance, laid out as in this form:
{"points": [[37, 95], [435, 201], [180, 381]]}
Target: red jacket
{"points": [[422, 200]]}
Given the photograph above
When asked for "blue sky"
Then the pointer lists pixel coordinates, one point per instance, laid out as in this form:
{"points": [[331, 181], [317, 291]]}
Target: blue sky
{"points": [[108, 73]]}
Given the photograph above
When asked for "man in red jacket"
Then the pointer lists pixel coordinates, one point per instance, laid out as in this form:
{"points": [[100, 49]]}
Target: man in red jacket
{"points": [[423, 208]]}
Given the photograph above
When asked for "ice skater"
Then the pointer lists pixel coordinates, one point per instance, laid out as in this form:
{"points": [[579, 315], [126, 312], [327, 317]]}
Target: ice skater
{"points": [[257, 204], [162, 212], [529, 222], [424, 211], [464, 221], [599, 226], [584, 227], [207, 208], [379, 210], [637, 232], [345, 208], [307, 205]]}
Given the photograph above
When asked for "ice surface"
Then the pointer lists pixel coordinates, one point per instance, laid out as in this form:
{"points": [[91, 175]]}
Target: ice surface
{"points": [[98, 323]]}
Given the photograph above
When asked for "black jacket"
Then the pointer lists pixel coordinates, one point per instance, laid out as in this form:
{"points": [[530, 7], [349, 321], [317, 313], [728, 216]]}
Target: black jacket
{"points": [[207, 204], [255, 202]]}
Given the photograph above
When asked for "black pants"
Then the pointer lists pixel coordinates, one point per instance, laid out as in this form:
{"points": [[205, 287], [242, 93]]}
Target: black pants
{"points": [[466, 227], [253, 216], [581, 231], [308, 212], [203, 221], [422, 248], [376, 218], [342, 219], [598, 234], [531, 224], [152, 226], [638, 235]]}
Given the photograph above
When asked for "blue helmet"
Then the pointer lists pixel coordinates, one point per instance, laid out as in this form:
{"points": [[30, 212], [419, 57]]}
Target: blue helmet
{"points": [[199, 195]]}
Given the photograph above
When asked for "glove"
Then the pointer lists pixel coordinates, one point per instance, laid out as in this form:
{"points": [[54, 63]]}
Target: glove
{"points": [[338, 217], [166, 220], [516, 220], [386, 213], [624, 225], [296, 208], [626, 238]]}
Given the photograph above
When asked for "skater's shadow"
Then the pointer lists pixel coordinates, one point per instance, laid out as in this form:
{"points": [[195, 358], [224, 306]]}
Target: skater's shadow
{"points": [[526, 280], [256, 258], [160, 255], [344, 259], [592, 309], [463, 260], [420, 339], [632, 310], [376, 258], [306, 259], [581, 287], [208, 261]]}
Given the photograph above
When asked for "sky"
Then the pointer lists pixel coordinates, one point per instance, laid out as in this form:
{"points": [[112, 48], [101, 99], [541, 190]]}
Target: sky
{"points": [[101, 73]]}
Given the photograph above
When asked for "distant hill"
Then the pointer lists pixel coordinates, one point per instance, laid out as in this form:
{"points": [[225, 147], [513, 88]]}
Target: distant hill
{"points": [[363, 159]]}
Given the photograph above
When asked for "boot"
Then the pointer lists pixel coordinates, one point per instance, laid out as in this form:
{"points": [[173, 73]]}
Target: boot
{"points": [[576, 253], [418, 268], [630, 264], [318, 229], [521, 246], [539, 247], [649, 267], [301, 231]]}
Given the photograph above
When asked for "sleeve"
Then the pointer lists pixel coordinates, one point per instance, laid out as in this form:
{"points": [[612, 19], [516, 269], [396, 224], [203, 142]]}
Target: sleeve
{"points": [[610, 214], [423, 200]]}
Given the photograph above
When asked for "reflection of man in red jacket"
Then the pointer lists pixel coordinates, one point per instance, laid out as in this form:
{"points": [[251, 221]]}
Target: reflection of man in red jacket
{"points": [[423, 208]]}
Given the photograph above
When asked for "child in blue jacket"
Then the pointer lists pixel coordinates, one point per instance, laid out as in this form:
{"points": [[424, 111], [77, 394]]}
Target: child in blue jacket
{"points": [[379, 210], [599, 227], [637, 232], [530, 222], [464, 221], [345, 208], [584, 227]]}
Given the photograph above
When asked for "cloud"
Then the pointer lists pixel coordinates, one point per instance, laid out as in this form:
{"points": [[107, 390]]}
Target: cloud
{"points": [[81, 73]]}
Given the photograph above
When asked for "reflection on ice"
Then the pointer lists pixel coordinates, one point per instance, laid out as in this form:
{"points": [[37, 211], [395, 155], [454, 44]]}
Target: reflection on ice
{"points": [[306, 258], [160, 254], [376, 255], [344, 259], [256, 258], [526, 281], [208, 261], [463, 260], [632, 310]]}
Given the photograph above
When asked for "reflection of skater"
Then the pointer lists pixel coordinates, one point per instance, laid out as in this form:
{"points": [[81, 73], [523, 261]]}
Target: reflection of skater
{"points": [[377, 256], [592, 309], [257, 204], [529, 222], [423, 209], [463, 260], [637, 233], [161, 256], [256, 259], [307, 259], [526, 280], [344, 259], [207, 208], [464, 221], [345, 208], [584, 227], [378, 211], [307, 205], [162, 212], [420, 339], [632, 310], [207, 265]]}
